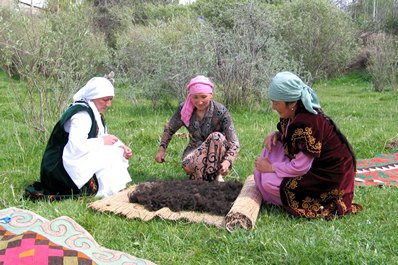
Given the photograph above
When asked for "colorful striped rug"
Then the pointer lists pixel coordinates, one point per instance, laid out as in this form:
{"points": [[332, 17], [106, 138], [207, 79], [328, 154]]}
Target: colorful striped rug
{"points": [[29, 239], [381, 170]]}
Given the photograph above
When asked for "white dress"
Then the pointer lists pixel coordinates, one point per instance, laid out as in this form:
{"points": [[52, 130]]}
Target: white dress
{"points": [[83, 157]]}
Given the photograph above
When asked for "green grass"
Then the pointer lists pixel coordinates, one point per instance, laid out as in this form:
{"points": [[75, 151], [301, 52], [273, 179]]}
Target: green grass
{"points": [[369, 120]]}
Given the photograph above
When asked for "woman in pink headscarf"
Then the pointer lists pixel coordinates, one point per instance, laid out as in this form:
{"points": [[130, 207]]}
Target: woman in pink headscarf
{"points": [[213, 142]]}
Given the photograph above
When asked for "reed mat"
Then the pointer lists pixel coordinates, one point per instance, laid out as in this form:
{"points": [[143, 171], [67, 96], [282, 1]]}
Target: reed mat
{"points": [[243, 212]]}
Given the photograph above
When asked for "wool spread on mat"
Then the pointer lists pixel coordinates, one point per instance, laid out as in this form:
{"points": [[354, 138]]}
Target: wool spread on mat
{"points": [[241, 214], [187, 195]]}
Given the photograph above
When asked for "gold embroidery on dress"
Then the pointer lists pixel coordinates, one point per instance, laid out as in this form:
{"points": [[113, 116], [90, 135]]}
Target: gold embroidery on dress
{"points": [[311, 207], [311, 145]]}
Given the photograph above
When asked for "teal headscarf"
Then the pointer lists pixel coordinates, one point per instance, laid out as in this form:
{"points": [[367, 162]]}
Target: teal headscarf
{"points": [[288, 87]]}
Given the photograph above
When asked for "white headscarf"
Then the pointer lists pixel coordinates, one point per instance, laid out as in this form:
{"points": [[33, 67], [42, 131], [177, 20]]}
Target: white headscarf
{"points": [[96, 87]]}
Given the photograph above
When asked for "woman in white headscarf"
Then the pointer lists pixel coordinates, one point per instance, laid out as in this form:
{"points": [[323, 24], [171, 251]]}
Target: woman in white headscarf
{"points": [[81, 158]]}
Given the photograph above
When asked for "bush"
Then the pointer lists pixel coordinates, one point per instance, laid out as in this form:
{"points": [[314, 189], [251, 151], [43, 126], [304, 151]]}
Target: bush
{"points": [[248, 54], [217, 13], [115, 16], [318, 34], [160, 59], [55, 54], [383, 63]]}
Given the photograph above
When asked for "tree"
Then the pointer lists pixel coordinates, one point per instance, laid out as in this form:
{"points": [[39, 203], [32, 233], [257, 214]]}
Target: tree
{"points": [[375, 15], [319, 34]]}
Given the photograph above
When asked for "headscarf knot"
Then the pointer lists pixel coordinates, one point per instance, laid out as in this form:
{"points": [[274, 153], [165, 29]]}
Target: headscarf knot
{"points": [[288, 87]]}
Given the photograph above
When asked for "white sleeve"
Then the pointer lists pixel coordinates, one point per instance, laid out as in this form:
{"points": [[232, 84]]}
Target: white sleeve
{"points": [[81, 156], [78, 127]]}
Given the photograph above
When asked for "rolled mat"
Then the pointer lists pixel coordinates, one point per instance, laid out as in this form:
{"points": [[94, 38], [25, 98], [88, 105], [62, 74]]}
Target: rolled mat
{"points": [[244, 211]]}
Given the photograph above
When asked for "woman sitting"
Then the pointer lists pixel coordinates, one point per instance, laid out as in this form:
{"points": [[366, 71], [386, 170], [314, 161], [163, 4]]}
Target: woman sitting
{"points": [[307, 166], [81, 158]]}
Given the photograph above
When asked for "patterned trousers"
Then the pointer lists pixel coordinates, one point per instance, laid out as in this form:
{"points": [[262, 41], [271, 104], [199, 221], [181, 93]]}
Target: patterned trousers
{"points": [[203, 163]]}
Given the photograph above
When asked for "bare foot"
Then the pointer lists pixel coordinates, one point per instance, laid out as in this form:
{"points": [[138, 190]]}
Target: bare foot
{"points": [[220, 178]]}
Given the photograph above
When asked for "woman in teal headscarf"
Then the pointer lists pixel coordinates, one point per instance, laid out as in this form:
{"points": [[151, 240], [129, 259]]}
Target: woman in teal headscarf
{"points": [[307, 166]]}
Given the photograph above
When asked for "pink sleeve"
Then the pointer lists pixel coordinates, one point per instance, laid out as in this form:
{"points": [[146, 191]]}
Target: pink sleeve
{"points": [[295, 167]]}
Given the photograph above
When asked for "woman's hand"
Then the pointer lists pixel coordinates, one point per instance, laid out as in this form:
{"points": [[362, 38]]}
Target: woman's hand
{"points": [[263, 165], [109, 139], [271, 140], [224, 167], [127, 152], [160, 155]]}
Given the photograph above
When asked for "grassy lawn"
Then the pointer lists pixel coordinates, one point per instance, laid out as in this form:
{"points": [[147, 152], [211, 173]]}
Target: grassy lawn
{"points": [[368, 119]]}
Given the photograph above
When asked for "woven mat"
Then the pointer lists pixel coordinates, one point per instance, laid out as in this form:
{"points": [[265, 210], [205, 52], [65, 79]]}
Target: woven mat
{"points": [[29, 239], [243, 213], [381, 170]]}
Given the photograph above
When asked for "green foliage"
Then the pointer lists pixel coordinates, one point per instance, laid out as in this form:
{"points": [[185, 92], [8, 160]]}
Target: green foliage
{"points": [[56, 6], [383, 65], [248, 54], [375, 15], [115, 17], [153, 13], [163, 57], [391, 24], [318, 34], [217, 12], [367, 238], [55, 54]]}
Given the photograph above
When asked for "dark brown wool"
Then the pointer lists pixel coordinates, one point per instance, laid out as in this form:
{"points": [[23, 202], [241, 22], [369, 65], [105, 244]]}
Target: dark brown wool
{"points": [[187, 195]]}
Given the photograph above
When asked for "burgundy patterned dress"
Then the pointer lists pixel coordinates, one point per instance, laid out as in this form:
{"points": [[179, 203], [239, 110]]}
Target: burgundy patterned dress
{"points": [[327, 189]]}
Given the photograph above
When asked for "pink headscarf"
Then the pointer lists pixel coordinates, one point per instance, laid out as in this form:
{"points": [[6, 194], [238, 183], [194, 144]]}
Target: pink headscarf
{"points": [[197, 85]]}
